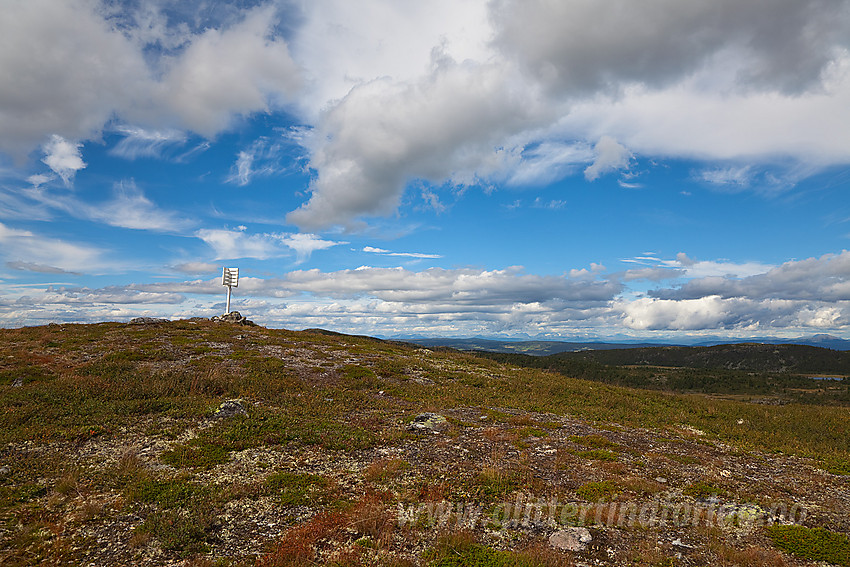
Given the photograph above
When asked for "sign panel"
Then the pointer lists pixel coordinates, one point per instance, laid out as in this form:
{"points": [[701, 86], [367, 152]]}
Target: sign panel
{"points": [[230, 277]]}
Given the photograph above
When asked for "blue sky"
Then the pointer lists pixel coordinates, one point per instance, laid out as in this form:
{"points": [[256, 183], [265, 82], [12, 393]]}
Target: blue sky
{"points": [[582, 169]]}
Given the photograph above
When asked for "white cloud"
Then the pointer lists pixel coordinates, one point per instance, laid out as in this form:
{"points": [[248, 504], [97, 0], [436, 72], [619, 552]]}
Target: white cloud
{"points": [[233, 244], [588, 46], [446, 126], [382, 252], [233, 71], [38, 268], [548, 162], [305, 244], [449, 92], [610, 156], [64, 70], [63, 157], [722, 80], [140, 142], [27, 250], [740, 176], [68, 68], [262, 158], [690, 268], [467, 301], [243, 172], [195, 268], [814, 279], [705, 312], [129, 208]]}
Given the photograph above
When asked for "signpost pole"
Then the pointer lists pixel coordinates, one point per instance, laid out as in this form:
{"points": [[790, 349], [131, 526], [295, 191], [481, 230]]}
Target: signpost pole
{"points": [[230, 278]]}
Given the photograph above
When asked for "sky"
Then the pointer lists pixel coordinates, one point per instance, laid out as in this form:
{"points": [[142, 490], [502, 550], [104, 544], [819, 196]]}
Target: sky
{"points": [[665, 170]]}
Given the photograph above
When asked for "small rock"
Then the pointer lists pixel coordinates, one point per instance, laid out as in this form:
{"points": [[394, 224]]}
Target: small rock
{"points": [[4, 470], [428, 422], [570, 539], [230, 408], [661, 479]]}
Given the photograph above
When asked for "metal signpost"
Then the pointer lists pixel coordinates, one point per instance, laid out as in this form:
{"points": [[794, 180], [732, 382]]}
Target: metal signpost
{"points": [[230, 278]]}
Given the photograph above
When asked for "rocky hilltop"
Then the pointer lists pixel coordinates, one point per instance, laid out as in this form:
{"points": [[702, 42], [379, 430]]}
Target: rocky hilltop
{"points": [[217, 443]]}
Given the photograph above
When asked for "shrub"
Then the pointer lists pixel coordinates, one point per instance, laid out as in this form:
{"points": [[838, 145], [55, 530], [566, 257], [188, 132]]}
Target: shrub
{"points": [[816, 544], [298, 489]]}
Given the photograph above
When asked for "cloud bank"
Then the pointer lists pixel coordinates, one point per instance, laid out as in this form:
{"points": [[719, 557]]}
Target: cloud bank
{"points": [[798, 297]]}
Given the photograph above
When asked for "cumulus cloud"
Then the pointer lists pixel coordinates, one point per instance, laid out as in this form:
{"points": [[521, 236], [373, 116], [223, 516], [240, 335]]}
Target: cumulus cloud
{"points": [[582, 46], [68, 68], [720, 80], [232, 71], [820, 279], [383, 134], [64, 70], [63, 157], [506, 91]]}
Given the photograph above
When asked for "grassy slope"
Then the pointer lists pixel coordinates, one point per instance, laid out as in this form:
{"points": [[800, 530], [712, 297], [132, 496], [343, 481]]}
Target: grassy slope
{"points": [[81, 386]]}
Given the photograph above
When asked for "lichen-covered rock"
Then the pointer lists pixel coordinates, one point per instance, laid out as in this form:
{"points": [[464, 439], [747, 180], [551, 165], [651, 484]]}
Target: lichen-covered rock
{"points": [[231, 408], [428, 421], [570, 539]]}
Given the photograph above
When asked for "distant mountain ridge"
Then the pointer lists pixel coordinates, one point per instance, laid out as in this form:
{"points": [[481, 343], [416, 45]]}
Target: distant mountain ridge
{"points": [[546, 348]]}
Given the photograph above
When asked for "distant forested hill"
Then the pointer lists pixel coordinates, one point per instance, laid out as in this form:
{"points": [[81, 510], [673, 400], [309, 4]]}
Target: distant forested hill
{"points": [[744, 356], [783, 371]]}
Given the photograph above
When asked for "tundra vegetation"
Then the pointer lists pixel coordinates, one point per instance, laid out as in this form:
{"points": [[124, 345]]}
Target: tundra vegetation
{"points": [[111, 453]]}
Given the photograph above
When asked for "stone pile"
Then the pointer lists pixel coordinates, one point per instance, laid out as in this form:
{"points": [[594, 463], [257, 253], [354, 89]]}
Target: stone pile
{"points": [[234, 318]]}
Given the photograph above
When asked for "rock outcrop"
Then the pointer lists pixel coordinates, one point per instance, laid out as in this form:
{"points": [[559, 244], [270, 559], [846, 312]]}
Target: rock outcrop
{"points": [[234, 318]]}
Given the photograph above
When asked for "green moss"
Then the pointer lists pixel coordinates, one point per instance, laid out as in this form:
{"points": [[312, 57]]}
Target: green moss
{"points": [[460, 550], [684, 459], [299, 489], [837, 466], [702, 490], [360, 377], [603, 491], [197, 453], [168, 493], [597, 455], [815, 544]]}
